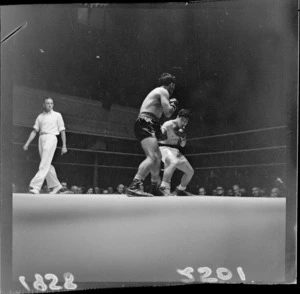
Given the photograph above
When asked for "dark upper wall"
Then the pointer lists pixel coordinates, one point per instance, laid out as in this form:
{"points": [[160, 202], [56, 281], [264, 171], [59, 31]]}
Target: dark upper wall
{"points": [[235, 61]]}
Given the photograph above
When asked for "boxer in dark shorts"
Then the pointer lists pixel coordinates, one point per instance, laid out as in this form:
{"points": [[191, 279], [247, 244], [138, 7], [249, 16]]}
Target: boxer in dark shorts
{"points": [[146, 125], [146, 130]]}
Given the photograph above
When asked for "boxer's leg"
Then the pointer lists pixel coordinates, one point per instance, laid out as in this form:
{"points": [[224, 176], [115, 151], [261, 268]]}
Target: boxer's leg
{"points": [[170, 161], [188, 171], [151, 163]]}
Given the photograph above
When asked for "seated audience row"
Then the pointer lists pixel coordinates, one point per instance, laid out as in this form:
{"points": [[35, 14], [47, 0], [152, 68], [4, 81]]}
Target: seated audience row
{"points": [[234, 191]]}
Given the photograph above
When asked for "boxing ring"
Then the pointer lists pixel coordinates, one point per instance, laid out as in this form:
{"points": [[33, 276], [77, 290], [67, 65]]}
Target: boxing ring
{"points": [[115, 238]]}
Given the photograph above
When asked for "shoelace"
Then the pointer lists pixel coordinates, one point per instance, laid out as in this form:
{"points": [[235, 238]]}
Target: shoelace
{"points": [[141, 186]]}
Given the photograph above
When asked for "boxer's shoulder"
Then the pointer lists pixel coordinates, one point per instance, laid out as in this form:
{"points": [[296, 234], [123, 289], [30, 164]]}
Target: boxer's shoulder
{"points": [[161, 91]]}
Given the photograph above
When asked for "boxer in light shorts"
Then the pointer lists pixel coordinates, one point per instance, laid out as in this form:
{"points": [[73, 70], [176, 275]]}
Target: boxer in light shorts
{"points": [[171, 148]]}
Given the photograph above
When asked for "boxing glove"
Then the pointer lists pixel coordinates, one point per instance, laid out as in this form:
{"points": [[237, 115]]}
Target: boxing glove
{"points": [[174, 103], [181, 133]]}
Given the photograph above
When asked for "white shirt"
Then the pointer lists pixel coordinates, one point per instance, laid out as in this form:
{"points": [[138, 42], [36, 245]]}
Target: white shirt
{"points": [[49, 123]]}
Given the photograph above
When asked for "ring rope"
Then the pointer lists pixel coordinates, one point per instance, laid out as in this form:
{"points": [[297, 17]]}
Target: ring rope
{"points": [[237, 133], [194, 154], [237, 151], [241, 166], [83, 164]]}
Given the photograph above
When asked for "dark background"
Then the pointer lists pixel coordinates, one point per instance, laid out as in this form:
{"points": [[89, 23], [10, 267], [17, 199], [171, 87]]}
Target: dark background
{"points": [[235, 63], [230, 57]]}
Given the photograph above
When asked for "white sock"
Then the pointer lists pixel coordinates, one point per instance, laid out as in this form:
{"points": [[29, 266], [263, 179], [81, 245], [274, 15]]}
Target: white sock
{"points": [[138, 177], [165, 184], [181, 187]]}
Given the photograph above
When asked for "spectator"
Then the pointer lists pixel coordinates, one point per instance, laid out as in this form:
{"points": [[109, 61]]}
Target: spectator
{"points": [[220, 191], [214, 193], [97, 190], [90, 191], [65, 189], [243, 192], [14, 188], [263, 192], [256, 192], [120, 189], [74, 189], [110, 190], [212, 180], [45, 189], [236, 190], [105, 192], [275, 193], [230, 192], [202, 191], [79, 190]]}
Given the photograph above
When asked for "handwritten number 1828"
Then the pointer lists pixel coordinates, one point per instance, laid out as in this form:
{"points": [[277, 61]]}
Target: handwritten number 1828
{"points": [[40, 285]]}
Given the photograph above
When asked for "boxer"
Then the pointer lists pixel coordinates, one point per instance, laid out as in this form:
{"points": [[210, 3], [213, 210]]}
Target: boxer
{"points": [[147, 130], [171, 147]]}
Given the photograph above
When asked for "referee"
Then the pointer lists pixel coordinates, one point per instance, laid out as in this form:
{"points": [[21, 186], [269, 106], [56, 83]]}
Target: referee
{"points": [[48, 124]]}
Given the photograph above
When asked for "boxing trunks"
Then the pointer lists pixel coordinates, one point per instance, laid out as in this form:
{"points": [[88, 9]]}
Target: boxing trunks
{"points": [[147, 125]]}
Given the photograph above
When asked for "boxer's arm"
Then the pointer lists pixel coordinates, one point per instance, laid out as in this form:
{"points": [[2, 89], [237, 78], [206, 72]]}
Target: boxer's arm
{"points": [[182, 137], [182, 142], [168, 109], [164, 130]]}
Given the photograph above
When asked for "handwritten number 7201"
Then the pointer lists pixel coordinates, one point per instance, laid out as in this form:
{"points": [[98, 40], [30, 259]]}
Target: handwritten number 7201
{"points": [[223, 274]]}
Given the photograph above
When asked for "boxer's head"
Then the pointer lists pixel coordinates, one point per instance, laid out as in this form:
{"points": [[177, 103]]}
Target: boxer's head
{"points": [[168, 81], [48, 104], [183, 117]]}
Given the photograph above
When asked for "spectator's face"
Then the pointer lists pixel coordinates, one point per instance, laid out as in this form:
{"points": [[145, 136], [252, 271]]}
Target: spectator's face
{"points": [[90, 191], [120, 189], [236, 190], [243, 191], [215, 192], [255, 192], [105, 191], [97, 190], [74, 189], [202, 191], [230, 192], [79, 190], [275, 193], [220, 191], [46, 189], [64, 186], [110, 190]]}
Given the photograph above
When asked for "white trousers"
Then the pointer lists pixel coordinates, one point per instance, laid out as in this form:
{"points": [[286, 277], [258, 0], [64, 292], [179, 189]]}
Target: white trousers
{"points": [[173, 154], [47, 147]]}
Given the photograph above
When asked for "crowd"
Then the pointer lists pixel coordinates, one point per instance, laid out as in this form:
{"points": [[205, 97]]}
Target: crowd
{"points": [[234, 191]]}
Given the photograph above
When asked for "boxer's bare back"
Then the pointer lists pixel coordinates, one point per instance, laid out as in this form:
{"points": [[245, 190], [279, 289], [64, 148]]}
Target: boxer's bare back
{"points": [[155, 101]]}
